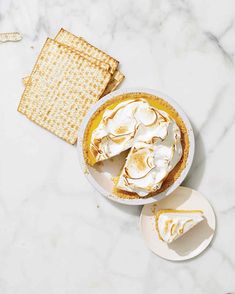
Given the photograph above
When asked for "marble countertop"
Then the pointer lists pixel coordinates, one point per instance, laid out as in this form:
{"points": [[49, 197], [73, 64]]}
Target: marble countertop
{"points": [[57, 235]]}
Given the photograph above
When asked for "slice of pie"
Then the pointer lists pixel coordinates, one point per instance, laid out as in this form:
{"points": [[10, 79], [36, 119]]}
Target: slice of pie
{"points": [[151, 130], [172, 224]]}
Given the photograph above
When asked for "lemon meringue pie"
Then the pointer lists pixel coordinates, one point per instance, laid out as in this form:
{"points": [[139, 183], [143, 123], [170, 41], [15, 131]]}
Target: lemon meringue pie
{"points": [[172, 224], [151, 130]]}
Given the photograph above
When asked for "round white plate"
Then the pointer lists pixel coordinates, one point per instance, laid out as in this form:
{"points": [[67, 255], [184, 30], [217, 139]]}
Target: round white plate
{"points": [[191, 243], [101, 176]]}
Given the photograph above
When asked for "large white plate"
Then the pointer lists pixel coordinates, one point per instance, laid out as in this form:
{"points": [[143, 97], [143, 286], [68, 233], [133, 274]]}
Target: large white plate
{"points": [[100, 177], [194, 241]]}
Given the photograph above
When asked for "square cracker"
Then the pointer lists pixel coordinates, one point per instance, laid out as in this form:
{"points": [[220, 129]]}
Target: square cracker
{"points": [[94, 55], [62, 87], [70, 40]]}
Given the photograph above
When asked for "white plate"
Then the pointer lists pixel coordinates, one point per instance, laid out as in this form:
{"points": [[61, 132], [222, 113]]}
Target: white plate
{"points": [[191, 243], [100, 177]]}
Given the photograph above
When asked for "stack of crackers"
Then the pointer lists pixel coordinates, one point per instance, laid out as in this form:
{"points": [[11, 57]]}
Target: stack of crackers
{"points": [[69, 76]]}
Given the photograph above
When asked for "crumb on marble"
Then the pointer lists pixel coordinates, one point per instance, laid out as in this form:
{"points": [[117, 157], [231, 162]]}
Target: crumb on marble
{"points": [[154, 206], [100, 163], [86, 172]]}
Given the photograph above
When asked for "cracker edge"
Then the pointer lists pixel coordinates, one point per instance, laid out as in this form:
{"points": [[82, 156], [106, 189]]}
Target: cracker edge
{"points": [[101, 51]]}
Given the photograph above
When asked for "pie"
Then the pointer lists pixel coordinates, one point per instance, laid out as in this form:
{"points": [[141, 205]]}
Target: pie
{"points": [[153, 132]]}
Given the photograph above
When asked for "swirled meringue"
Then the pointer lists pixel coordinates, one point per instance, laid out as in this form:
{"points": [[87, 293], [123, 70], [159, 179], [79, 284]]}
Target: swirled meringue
{"points": [[171, 224]]}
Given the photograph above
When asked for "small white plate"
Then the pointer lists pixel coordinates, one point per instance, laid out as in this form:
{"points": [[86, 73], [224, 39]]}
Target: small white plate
{"points": [[194, 241], [101, 176]]}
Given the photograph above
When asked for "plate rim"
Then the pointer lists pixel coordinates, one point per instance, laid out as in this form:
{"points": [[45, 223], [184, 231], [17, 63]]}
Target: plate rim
{"points": [[170, 189]]}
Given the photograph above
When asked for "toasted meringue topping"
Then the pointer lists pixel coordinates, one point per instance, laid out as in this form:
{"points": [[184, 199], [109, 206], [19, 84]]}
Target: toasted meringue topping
{"points": [[173, 224], [140, 163], [116, 131], [149, 171], [146, 116], [154, 139]]}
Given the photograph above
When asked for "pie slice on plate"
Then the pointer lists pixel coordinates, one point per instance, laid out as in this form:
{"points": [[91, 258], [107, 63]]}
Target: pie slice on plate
{"points": [[172, 224]]}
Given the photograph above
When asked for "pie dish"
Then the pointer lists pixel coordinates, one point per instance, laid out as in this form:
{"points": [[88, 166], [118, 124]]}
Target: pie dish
{"points": [[150, 131]]}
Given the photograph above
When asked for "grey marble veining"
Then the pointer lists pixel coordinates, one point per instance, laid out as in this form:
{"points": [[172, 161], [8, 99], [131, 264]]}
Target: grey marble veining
{"points": [[57, 235]]}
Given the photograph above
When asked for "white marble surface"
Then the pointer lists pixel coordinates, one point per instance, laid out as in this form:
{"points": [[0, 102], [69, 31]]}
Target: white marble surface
{"points": [[57, 235]]}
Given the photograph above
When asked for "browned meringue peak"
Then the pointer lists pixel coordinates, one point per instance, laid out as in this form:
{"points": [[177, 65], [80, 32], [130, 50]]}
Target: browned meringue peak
{"points": [[146, 116], [140, 163]]}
